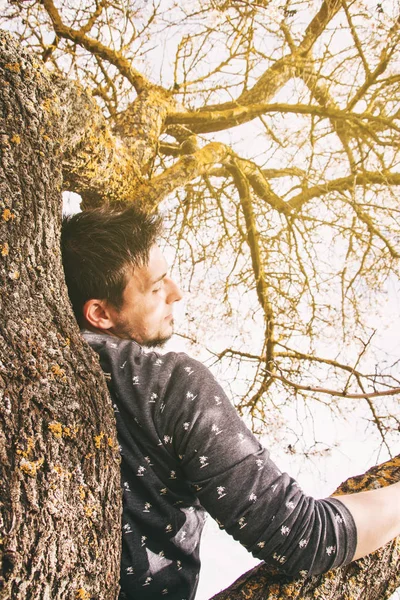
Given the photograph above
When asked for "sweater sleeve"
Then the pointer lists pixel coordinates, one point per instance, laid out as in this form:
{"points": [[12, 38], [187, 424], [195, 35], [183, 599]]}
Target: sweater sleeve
{"points": [[240, 486]]}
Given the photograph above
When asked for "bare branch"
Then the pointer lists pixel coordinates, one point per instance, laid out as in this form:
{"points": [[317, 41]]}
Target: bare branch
{"points": [[138, 81], [356, 39], [256, 260], [342, 394], [380, 68], [343, 184]]}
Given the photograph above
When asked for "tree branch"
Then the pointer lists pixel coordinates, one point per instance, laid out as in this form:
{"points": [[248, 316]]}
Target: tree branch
{"points": [[96, 163], [186, 169], [138, 81], [256, 261], [366, 219], [343, 184], [356, 39], [104, 165], [310, 388], [275, 77], [329, 9], [380, 68], [329, 392], [283, 69], [208, 121]]}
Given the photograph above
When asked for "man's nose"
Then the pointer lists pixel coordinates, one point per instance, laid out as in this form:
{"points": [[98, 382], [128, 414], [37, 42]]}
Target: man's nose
{"points": [[174, 292]]}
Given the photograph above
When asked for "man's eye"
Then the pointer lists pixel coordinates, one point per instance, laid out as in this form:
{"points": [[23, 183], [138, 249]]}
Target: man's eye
{"points": [[156, 290]]}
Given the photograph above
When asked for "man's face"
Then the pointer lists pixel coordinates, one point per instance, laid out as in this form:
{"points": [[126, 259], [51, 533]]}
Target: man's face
{"points": [[148, 299]]}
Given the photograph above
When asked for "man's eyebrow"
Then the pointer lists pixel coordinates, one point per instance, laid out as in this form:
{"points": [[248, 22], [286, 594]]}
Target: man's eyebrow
{"points": [[159, 278]]}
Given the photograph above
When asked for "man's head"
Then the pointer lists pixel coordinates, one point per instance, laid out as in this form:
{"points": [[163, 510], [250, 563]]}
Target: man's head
{"points": [[116, 274]]}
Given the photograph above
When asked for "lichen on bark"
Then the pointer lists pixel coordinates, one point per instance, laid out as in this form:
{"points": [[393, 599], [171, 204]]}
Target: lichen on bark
{"points": [[60, 494]]}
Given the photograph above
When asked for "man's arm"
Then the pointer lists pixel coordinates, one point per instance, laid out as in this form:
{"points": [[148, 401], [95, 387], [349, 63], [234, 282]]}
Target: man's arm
{"points": [[236, 481], [376, 514], [238, 484]]}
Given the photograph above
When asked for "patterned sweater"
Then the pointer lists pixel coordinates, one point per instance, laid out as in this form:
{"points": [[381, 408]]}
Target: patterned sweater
{"points": [[185, 450]]}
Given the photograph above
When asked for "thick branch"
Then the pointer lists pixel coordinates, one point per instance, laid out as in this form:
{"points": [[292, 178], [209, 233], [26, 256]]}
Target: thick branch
{"points": [[329, 9], [186, 169], [282, 70], [267, 173], [101, 164], [141, 124], [209, 121], [258, 179], [96, 164]]}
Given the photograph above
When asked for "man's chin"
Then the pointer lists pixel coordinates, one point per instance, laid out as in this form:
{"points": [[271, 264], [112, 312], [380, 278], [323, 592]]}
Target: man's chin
{"points": [[157, 342]]}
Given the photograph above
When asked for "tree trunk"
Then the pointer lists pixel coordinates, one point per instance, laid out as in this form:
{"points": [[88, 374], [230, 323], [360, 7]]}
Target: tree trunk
{"points": [[60, 485]]}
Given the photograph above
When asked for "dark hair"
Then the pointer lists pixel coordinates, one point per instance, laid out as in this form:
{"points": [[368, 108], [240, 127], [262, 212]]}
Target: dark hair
{"points": [[100, 247]]}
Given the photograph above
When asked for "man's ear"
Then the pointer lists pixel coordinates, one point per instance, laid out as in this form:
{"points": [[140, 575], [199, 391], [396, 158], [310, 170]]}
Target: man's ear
{"points": [[98, 314]]}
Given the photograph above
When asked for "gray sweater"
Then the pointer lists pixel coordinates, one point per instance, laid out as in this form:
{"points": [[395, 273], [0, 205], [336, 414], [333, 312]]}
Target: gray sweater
{"points": [[185, 450]]}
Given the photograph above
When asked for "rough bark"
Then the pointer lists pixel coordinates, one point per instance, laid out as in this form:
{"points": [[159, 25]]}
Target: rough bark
{"points": [[95, 162], [374, 577], [59, 479], [105, 164]]}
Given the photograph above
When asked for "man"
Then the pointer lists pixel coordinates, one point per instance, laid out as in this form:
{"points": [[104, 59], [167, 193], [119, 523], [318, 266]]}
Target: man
{"points": [[183, 447]]}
